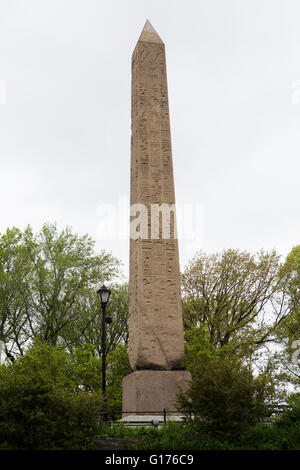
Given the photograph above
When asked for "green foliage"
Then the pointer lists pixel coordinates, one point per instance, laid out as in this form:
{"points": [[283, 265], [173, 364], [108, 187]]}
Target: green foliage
{"points": [[188, 436], [117, 367], [50, 399], [177, 436], [227, 294], [288, 334], [14, 269], [291, 415], [64, 269], [283, 433], [136, 438], [80, 371], [48, 285], [87, 326], [171, 436], [290, 271], [199, 349], [34, 414], [50, 394], [225, 398]]}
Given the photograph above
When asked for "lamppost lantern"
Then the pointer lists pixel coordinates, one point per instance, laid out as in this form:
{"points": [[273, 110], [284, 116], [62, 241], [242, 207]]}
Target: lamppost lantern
{"points": [[104, 295]]}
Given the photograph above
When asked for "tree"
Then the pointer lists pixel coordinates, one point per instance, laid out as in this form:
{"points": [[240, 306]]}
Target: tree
{"points": [[290, 272], [46, 283], [117, 368], [288, 335], [225, 398], [14, 269], [50, 399], [198, 347], [239, 297], [87, 326]]}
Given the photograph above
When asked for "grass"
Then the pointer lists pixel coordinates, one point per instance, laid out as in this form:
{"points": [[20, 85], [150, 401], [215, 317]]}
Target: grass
{"points": [[178, 436]]}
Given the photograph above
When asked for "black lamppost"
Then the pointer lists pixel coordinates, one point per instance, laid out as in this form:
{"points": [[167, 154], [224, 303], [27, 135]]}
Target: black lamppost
{"points": [[104, 295]]}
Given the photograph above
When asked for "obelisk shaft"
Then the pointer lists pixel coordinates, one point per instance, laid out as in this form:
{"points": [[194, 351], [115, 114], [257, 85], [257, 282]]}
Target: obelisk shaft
{"points": [[155, 313]]}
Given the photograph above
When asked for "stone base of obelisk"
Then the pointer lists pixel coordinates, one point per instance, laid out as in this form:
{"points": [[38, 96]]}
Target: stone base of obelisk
{"points": [[146, 392]]}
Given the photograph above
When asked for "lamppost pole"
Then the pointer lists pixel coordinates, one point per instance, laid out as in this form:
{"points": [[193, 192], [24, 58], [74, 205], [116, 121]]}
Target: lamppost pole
{"points": [[104, 295], [103, 347]]}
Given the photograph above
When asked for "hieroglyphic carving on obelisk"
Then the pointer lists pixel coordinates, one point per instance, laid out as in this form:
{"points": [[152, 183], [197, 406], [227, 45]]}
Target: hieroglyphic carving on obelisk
{"points": [[155, 324]]}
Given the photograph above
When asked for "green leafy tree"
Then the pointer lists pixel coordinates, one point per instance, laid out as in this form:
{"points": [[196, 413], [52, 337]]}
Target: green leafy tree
{"points": [[224, 397], [48, 281], [64, 266], [14, 269], [230, 294], [87, 326], [50, 399], [288, 335], [198, 347], [117, 368]]}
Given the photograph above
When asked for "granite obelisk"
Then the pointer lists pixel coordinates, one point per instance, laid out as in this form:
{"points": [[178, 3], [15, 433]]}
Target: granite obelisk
{"points": [[156, 345]]}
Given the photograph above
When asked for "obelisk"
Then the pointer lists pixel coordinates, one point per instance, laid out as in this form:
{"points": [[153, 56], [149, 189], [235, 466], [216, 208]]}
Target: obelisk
{"points": [[156, 343]]}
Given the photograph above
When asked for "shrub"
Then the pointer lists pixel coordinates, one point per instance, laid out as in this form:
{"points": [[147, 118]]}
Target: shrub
{"points": [[40, 410], [225, 398]]}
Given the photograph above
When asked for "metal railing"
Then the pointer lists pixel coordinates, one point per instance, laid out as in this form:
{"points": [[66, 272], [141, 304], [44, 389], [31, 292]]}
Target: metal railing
{"points": [[114, 416]]}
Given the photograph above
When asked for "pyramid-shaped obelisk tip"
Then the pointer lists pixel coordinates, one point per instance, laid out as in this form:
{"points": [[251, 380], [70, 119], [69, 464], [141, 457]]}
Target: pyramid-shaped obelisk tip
{"points": [[148, 27], [149, 34]]}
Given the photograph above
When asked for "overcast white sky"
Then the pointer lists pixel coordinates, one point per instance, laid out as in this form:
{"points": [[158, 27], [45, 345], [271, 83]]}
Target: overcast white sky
{"points": [[234, 91]]}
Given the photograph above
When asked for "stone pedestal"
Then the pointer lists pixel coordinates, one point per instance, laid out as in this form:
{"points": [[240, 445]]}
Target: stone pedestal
{"points": [[146, 391]]}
